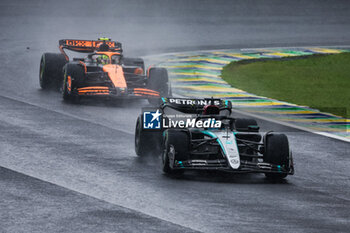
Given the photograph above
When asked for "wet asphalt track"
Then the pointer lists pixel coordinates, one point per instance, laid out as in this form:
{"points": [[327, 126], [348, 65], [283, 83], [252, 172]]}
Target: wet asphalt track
{"points": [[72, 168]]}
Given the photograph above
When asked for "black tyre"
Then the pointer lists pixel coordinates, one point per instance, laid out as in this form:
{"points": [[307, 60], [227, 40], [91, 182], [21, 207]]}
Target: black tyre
{"points": [[66, 88], [176, 142], [77, 73], [133, 62], [158, 81], [67, 94], [73, 77], [277, 153], [146, 142], [246, 125], [51, 70]]}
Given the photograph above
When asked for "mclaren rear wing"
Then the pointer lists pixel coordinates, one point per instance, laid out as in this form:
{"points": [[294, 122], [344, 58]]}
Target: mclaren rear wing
{"points": [[89, 46]]}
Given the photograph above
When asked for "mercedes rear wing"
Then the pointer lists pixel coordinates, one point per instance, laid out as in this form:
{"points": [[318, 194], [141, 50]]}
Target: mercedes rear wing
{"points": [[194, 106]]}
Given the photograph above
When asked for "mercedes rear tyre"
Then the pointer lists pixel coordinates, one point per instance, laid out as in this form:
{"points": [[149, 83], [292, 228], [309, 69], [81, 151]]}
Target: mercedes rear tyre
{"points": [[277, 153], [246, 125], [145, 141], [51, 70]]}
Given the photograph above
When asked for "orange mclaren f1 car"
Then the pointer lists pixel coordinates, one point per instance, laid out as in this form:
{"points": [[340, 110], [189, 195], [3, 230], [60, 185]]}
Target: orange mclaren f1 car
{"points": [[103, 72]]}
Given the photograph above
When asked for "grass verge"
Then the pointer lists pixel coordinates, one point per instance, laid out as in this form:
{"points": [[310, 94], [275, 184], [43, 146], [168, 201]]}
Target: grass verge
{"points": [[318, 81]]}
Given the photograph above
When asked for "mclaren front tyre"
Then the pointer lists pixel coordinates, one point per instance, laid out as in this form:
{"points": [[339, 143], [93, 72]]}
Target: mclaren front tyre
{"points": [[73, 77]]}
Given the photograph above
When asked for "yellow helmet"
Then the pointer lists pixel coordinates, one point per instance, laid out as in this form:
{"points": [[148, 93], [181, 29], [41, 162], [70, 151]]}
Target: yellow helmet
{"points": [[103, 59]]}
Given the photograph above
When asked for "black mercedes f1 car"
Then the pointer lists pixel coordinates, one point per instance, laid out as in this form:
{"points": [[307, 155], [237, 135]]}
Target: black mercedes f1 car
{"points": [[225, 143]]}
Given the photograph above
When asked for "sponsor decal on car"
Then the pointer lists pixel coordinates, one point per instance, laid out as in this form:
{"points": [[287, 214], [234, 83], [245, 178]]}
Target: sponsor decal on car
{"points": [[154, 120], [193, 101], [192, 123]]}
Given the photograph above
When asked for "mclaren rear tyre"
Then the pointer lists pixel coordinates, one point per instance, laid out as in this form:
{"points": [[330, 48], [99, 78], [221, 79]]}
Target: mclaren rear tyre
{"points": [[133, 62], [51, 70], [145, 141], [276, 152], [176, 147], [154, 101], [158, 81]]}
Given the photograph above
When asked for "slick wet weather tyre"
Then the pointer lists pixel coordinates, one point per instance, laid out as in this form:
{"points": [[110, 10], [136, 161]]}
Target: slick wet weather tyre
{"points": [[158, 81], [67, 89], [246, 125], [144, 141], [165, 159], [77, 73], [133, 62], [177, 142], [73, 77], [51, 70], [276, 152]]}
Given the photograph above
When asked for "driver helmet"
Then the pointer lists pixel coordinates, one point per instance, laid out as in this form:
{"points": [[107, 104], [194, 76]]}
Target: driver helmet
{"points": [[103, 59]]}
